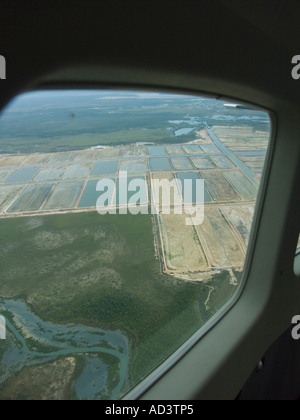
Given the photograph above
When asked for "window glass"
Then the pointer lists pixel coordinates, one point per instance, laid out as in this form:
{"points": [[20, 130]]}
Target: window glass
{"points": [[125, 219]]}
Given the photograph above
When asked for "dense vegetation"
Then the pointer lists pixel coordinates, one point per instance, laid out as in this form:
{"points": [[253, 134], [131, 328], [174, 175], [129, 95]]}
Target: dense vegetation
{"points": [[101, 270]]}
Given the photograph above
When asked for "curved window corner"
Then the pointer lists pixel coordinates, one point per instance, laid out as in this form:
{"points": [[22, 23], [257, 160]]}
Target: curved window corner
{"points": [[125, 221], [298, 245], [297, 264], [297, 260]]}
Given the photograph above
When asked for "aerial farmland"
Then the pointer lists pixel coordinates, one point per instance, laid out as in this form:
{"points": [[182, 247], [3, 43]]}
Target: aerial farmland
{"points": [[118, 293]]}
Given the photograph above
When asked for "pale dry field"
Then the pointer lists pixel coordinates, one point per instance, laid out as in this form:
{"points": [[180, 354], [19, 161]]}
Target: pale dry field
{"points": [[218, 240], [242, 138], [182, 251], [219, 243], [14, 160], [241, 218]]}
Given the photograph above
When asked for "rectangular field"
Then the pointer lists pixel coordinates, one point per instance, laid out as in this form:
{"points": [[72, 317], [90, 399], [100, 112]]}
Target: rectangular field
{"points": [[64, 196], [85, 155], [13, 160], [23, 174], [193, 176], [37, 159], [192, 149], [134, 151], [31, 199], [218, 187], [210, 149], [160, 199], [135, 185], [61, 157], [49, 173], [133, 166], [76, 171], [90, 195], [218, 241], [243, 146], [181, 163], [241, 219], [105, 168], [255, 164], [242, 185], [203, 162], [7, 195], [160, 164], [175, 150], [4, 174], [222, 162], [107, 153], [182, 251], [233, 131], [242, 138], [156, 151]]}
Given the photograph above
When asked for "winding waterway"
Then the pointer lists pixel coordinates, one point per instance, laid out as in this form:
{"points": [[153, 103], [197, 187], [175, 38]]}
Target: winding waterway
{"points": [[58, 341]]}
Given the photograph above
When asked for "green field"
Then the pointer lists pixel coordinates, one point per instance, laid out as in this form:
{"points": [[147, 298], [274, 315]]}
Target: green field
{"points": [[101, 271], [82, 141]]}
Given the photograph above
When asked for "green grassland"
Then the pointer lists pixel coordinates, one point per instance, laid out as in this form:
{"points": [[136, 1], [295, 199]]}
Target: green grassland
{"points": [[85, 140], [101, 271]]}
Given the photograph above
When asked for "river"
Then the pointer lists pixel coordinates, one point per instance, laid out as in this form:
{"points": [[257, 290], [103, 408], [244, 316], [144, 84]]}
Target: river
{"points": [[61, 340]]}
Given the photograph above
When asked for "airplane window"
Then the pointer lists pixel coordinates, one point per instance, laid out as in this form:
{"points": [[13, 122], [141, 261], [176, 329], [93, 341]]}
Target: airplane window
{"points": [[125, 219]]}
